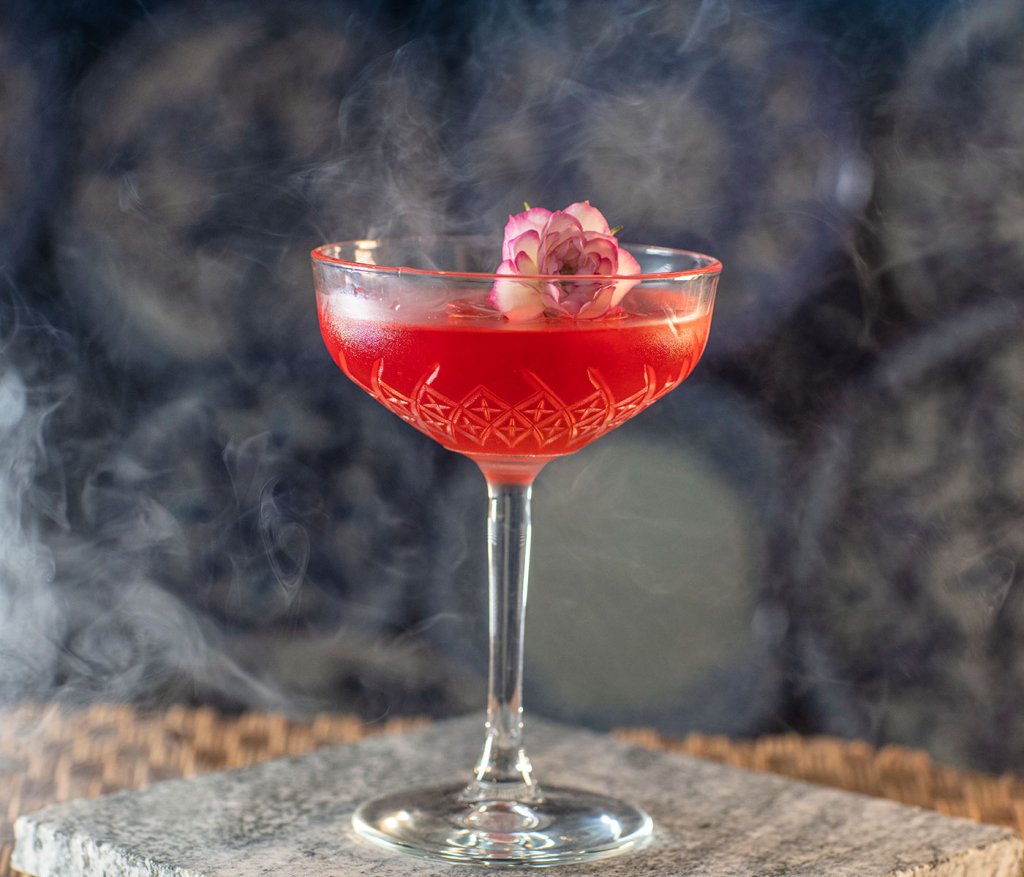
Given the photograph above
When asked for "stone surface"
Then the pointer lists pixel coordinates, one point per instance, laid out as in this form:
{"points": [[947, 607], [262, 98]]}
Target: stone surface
{"points": [[291, 817]]}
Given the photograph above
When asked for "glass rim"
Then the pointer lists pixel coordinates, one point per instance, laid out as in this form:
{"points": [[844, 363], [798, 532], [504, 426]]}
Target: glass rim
{"points": [[321, 255]]}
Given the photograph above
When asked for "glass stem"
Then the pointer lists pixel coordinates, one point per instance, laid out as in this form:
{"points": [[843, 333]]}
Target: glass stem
{"points": [[504, 772]]}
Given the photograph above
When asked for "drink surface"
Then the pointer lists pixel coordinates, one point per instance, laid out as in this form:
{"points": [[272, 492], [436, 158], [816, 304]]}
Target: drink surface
{"points": [[483, 386]]}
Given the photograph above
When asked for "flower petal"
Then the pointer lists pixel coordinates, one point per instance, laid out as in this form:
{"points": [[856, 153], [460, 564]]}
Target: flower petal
{"points": [[589, 217], [560, 228], [627, 265], [533, 219], [517, 299], [527, 244], [579, 291], [561, 243], [600, 304], [560, 224], [605, 247], [554, 300], [570, 244]]}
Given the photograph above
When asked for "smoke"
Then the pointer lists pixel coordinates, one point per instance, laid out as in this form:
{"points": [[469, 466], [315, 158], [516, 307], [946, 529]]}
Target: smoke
{"points": [[707, 125], [81, 612], [393, 176], [29, 615], [194, 504], [950, 200], [193, 479]]}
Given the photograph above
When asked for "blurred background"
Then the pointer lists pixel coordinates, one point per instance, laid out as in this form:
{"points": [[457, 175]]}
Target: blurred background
{"points": [[820, 532]]}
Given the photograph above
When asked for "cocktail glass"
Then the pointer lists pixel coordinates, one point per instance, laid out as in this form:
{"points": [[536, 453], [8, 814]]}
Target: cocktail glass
{"points": [[408, 321]]}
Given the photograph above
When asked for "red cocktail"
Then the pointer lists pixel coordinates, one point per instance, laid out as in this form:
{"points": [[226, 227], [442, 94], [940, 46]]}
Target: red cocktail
{"points": [[492, 390], [512, 392]]}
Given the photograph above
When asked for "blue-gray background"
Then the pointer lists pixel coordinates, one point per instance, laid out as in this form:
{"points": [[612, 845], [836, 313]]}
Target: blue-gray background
{"points": [[820, 532]]}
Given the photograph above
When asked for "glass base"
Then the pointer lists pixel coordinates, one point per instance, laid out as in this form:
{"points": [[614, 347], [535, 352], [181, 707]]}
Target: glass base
{"points": [[561, 827]]}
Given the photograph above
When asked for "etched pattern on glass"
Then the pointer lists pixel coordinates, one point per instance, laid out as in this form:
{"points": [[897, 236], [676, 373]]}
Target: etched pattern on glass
{"points": [[540, 419]]}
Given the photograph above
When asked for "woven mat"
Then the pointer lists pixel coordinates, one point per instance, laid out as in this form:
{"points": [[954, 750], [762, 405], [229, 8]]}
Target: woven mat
{"points": [[49, 755]]}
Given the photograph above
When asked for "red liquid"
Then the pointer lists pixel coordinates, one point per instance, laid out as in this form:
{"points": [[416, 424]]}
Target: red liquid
{"points": [[499, 391]]}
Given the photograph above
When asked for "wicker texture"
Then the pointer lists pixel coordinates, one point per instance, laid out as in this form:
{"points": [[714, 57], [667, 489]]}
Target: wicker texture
{"points": [[48, 755]]}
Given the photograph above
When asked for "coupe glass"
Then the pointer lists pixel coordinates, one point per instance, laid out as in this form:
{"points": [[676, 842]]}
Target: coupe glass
{"points": [[408, 321]]}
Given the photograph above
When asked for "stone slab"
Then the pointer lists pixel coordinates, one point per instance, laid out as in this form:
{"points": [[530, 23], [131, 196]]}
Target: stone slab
{"points": [[290, 818]]}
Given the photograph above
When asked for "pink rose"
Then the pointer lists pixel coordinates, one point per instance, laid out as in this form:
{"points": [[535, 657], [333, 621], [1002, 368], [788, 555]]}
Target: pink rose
{"points": [[575, 242]]}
